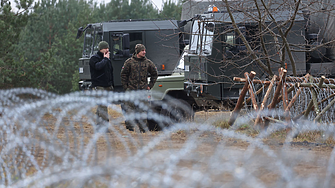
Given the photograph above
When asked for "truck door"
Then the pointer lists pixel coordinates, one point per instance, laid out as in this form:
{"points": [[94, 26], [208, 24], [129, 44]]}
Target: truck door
{"points": [[116, 57], [119, 52], [122, 47], [237, 60]]}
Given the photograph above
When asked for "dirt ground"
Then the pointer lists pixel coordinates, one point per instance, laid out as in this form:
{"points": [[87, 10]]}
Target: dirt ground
{"points": [[304, 158]]}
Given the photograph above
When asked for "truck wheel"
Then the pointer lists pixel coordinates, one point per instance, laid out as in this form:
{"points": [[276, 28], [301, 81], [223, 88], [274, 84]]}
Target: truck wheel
{"points": [[153, 126], [178, 111]]}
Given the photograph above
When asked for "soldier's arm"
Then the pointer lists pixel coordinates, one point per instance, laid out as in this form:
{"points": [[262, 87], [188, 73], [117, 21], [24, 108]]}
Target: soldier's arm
{"points": [[153, 74], [98, 65], [112, 75], [125, 74]]}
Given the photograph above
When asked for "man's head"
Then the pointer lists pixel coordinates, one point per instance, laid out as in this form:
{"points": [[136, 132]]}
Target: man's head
{"points": [[103, 47], [140, 50]]}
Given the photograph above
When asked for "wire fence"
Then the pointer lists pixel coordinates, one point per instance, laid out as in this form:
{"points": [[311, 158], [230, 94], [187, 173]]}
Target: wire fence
{"points": [[50, 140]]}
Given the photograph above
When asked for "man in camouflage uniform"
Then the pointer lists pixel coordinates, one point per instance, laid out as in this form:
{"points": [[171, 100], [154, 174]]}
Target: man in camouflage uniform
{"points": [[102, 75], [134, 76]]}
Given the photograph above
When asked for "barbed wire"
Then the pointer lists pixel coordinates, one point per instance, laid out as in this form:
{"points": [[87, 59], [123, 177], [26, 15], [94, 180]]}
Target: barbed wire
{"points": [[50, 140]]}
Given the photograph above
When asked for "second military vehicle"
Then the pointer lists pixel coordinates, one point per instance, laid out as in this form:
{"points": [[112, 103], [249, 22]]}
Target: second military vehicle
{"points": [[227, 43]]}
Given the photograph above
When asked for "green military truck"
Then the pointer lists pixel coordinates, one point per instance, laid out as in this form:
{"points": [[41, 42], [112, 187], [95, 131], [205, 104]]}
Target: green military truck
{"points": [[162, 38], [164, 43]]}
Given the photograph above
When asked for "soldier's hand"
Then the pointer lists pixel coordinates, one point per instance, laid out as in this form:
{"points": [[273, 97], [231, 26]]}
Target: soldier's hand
{"points": [[106, 55], [148, 88]]}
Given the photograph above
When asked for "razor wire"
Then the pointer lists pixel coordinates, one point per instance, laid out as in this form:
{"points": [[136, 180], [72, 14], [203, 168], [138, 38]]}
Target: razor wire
{"points": [[50, 140]]}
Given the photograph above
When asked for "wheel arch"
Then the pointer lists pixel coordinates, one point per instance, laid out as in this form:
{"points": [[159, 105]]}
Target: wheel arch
{"points": [[181, 95]]}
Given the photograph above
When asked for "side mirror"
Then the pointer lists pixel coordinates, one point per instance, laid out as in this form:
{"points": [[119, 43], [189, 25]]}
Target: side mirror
{"points": [[182, 23], [126, 45], [126, 41], [80, 32], [126, 53]]}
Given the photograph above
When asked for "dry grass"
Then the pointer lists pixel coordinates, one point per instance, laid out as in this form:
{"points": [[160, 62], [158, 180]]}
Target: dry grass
{"points": [[280, 136], [315, 136], [222, 124]]}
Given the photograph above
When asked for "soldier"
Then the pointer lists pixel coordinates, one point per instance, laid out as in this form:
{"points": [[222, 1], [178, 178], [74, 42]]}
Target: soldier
{"points": [[134, 76], [102, 75]]}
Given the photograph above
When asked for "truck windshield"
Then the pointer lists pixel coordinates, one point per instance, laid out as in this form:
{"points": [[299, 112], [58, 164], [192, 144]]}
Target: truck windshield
{"points": [[234, 45], [230, 41], [180, 66], [117, 44], [97, 39], [92, 38], [88, 41], [202, 37]]}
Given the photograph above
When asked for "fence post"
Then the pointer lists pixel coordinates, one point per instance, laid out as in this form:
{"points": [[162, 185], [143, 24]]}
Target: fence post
{"points": [[240, 100]]}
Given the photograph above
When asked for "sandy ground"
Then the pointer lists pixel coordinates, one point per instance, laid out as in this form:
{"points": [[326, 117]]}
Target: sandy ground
{"points": [[265, 162]]}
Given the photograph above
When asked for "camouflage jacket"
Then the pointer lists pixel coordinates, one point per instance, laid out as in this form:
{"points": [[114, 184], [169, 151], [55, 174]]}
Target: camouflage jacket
{"points": [[134, 73]]}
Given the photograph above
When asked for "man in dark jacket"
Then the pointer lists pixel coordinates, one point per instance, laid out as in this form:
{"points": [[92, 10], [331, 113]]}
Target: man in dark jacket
{"points": [[134, 76], [102, 74]]}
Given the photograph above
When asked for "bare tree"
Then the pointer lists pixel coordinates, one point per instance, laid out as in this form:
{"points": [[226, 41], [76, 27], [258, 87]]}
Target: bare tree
{"points": [[256, 35], [274, 33]]}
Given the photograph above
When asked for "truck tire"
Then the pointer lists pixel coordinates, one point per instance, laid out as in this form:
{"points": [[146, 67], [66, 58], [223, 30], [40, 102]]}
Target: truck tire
{"points": [[178, 111]]}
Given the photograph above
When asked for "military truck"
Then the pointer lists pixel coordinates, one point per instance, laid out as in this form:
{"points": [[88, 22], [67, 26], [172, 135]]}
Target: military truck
{"points": [[162, 38], [217, 52], [164, 41]]}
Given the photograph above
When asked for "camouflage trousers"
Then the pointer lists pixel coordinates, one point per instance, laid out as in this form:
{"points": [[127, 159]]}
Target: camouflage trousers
{"points": [[102, 110], [129, 108]]}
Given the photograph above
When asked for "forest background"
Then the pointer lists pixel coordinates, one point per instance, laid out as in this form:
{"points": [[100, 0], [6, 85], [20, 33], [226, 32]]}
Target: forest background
{"points": [[38, 46]]}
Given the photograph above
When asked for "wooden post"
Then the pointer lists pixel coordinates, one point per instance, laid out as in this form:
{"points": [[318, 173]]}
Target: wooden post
{"points": [[253, 98], [318, 117], [327, 81], [330, 86], [287, 109], [292, 79], [258, 119], [282, 74], [281, 96], [294, 98], [285, 97], [274, 120], [240, 100], [310, 104], [278, 89], [257, 92], [314, 97], [238, 79], [321, 81]]}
